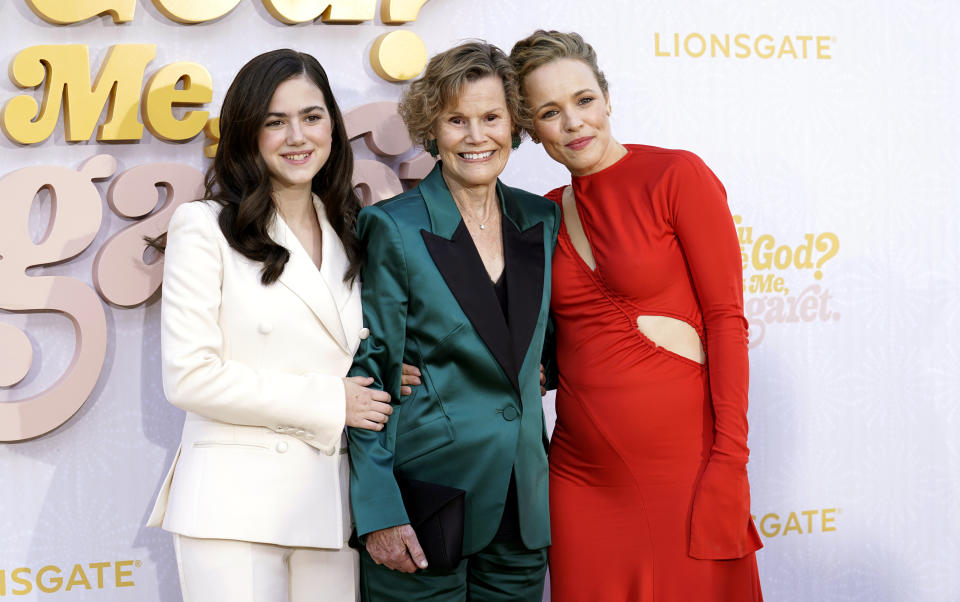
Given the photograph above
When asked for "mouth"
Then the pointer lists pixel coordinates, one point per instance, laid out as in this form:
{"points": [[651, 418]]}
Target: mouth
{"points": [[297, 158], [476, 156], [579, 143]]}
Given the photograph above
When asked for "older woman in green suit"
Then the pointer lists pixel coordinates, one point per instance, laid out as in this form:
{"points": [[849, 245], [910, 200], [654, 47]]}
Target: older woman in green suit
{"points": [[457, 282]]}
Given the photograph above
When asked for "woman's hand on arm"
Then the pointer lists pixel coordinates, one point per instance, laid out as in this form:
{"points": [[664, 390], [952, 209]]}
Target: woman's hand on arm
{"points": [[366, 408], [370, 408]]}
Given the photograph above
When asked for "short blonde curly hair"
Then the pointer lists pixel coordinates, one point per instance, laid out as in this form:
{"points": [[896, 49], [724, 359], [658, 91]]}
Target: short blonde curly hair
{"points": [[442, 81], [542, 47]]}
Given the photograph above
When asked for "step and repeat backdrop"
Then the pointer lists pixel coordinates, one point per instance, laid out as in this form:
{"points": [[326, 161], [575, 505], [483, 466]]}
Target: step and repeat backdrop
{"points": [[833, 126]]}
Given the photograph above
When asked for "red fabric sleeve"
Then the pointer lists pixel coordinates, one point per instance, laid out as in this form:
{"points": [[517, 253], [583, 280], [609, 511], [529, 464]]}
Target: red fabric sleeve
{"points": [[721, 527]]}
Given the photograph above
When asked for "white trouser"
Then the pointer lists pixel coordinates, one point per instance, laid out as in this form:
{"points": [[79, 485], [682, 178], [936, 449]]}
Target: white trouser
{"points": [[223, 570]]}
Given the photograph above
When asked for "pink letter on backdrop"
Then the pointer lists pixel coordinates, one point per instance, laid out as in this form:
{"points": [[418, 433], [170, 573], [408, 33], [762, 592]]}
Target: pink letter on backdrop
{"points": [[381, 128], [120, 273], [384, 134], [76, 212]]}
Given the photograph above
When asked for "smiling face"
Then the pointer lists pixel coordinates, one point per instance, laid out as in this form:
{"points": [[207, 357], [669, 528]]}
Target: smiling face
{"points": [[296, 135], [571, 116], [474, 134]]}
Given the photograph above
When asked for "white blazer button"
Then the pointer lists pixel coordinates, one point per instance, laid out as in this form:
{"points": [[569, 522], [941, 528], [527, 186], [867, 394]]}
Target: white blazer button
{"points": [[309, 435], [265, 327], [282, 447], [364, 333], [331, 451]]}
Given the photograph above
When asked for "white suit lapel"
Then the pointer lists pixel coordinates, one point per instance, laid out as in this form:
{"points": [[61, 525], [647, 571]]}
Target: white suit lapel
{"points": [[323, 291]]}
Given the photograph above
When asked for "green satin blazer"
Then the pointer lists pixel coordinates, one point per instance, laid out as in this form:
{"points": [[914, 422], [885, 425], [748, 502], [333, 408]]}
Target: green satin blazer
{"points": [[477, 417]]}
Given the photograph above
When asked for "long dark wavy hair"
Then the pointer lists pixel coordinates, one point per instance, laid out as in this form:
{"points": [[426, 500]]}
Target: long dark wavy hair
{"points": [[239, 180]]}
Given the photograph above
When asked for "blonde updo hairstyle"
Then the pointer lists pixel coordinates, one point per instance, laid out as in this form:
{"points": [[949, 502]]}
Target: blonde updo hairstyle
{"points": [[542, 47], [441, 83]]}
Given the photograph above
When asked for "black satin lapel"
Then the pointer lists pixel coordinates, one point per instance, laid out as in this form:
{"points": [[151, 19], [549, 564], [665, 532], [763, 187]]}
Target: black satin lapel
{"points": [[524, 264], [462, 269]]}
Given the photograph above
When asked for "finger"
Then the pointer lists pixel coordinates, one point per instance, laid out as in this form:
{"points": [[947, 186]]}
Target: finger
{"points": [[413, 546], [404, 565], [542, 391], [405, 390], [409, 379], [411, 370], [381, 408], [370, 425], [375, 417], [381, 396], [363, 381]]}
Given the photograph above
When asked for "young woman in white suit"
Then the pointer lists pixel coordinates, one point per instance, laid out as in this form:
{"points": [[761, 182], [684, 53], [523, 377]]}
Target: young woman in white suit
{"points": [[260, 318]]}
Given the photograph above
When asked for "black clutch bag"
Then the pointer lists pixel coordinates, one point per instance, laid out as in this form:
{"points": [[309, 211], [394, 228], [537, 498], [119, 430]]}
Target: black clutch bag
{"points": [[436, 513]]}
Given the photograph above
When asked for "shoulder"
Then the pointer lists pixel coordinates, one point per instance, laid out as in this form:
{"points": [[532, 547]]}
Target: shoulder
{"points": [[204, 211], [556, 195], [533, 203], [668, 160], [377, 225], [198, 216], [405, 207]]}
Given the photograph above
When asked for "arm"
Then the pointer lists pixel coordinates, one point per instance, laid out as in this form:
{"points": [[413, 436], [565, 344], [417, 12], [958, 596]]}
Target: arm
{"points": [[198, 379], [376, 499], [548, 358], [378, 509], [721, 527]]}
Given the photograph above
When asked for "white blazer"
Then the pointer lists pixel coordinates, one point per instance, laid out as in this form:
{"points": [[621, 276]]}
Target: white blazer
{"points": [[258, 370]]}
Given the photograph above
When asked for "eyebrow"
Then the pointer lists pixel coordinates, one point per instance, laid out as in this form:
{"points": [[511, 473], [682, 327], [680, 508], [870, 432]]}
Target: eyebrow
{"points": [[499, 109], [304, 111], [577, 93]]}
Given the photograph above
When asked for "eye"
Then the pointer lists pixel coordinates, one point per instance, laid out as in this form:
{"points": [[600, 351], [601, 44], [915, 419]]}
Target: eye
{"points": [[273, 124], [456, 120], [313, 118], [585, 100], [492, 117], [548, 114]]}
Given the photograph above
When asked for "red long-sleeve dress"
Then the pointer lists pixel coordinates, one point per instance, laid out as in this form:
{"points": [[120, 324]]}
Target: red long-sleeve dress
{"points": [[649, 499]]}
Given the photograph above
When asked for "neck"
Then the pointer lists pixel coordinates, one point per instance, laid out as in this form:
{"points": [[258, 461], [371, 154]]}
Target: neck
{"points": [[614, 152], [294, 204], [473, 198]]}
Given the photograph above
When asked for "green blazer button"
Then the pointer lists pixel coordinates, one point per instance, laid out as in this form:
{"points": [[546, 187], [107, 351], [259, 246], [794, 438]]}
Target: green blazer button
{"points": [[510, 413]]}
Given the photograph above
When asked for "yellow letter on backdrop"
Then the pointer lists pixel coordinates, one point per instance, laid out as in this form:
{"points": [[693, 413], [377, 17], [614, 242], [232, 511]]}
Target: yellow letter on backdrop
{"points": [[194, 11], [394, 12], [162, 94], [398, 55], [332, 11], [59, 12], [67, 71]]}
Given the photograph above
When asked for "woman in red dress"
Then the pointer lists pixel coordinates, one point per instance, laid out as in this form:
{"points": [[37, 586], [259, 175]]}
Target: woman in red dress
{"points": [[649, 498]]}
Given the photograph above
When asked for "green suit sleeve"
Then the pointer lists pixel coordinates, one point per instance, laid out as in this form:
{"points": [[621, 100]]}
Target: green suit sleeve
{"points": [[374, 493], [549, 356]]}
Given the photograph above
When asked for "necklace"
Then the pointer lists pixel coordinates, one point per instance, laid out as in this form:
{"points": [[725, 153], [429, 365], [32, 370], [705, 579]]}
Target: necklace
{"points": [[483, 224]]}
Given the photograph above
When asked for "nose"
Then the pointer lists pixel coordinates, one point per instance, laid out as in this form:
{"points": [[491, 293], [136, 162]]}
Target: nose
{"points": [[295, 133], [475, 133], [572, 121]]}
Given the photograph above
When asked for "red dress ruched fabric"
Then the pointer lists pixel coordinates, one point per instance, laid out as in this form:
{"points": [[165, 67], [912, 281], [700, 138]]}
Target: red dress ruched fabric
{"points": [[649, 499]]}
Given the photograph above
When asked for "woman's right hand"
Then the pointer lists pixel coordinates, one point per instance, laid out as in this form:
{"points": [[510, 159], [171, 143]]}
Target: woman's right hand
{"points": [[366, 408]]}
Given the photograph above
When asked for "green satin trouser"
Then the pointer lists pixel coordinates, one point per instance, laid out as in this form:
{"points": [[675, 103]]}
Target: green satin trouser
{"points": [[500, 572]]}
